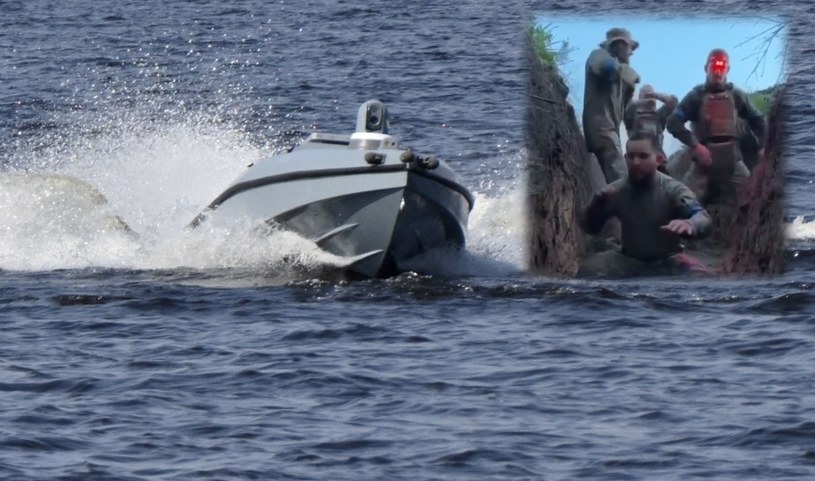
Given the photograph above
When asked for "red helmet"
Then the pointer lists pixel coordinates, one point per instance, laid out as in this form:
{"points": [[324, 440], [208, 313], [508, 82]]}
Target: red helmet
{"points": [[718, 61]]}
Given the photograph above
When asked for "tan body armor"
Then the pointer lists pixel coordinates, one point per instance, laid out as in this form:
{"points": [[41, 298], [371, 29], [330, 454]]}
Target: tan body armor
{"points": [[718, 130], [718, 117]]}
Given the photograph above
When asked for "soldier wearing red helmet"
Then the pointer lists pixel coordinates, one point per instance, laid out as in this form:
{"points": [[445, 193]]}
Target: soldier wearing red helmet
{"points": [[714, 109]]}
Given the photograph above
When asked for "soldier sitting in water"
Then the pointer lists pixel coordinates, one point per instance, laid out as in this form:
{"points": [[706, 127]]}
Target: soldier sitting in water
{"points": [[643, 115], [654, 210]]}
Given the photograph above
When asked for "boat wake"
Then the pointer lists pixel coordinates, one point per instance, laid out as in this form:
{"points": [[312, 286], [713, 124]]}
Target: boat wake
{"points": [[800, 228], [56, 221], [123, 199]]}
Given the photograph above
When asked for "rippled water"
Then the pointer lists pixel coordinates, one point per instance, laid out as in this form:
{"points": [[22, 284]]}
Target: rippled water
{"points": [[166, 354]]}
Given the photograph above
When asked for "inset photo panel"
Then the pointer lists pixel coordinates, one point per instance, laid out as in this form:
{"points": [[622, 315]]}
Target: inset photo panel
{"points": [[655, 146]]}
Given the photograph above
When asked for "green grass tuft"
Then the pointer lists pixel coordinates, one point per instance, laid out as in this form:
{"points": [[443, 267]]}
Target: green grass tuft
{"points": [[549, 51]]}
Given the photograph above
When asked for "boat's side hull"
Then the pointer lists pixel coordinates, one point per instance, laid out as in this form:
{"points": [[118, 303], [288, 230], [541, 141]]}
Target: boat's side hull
{"points": [[358, 225], [379, 215]]}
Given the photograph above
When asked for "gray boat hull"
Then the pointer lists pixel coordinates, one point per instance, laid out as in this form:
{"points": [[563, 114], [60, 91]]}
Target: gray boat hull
{"points": [[358, 197]]}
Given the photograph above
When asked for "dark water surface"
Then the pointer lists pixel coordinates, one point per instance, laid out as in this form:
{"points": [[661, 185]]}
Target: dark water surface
{"points": [[175, 355]]}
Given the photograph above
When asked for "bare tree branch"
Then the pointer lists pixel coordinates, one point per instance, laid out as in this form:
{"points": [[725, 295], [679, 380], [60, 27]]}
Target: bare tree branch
{"points": [[770, 34]]}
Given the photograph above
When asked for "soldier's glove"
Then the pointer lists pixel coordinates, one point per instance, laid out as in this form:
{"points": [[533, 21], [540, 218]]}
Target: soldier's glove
{"points": [[702, 155], [606, 193], [629, 75]]}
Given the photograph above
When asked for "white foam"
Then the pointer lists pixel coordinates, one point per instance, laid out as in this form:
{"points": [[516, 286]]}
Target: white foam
{"points": [[497, 229], [800, 229], [156, 176], [54, 222]]}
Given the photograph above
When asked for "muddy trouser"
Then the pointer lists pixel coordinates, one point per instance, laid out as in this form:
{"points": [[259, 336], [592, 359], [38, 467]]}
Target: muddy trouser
{"points": [[607, 148], [613, 263], [720, 181], [679, 164]]}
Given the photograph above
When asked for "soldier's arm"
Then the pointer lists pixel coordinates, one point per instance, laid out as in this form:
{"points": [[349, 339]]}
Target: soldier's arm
{"points": [[628, 94], [669, 103], [598, 212], [628, 117], [754, 118], [663, 113], [668, 100], [630, 80], [690, 209], [603, 65], [687, 110]]}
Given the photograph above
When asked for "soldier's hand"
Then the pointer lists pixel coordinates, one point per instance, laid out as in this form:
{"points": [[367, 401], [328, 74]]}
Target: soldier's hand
{"points": [[679, 227], [702, 155], [604, 196], [664, 98], [628, 74]]}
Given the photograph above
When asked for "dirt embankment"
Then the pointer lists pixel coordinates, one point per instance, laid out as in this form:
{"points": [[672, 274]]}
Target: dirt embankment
{"points": [[757, 232], [558, 169]]}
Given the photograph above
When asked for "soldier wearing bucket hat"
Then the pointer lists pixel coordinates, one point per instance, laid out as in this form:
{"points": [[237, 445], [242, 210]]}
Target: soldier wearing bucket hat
{"points": [[615, 34], [609, 88]]}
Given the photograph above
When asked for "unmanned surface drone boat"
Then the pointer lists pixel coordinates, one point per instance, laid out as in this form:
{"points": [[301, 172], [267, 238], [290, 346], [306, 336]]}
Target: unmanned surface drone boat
{"points": [[359, 196]]}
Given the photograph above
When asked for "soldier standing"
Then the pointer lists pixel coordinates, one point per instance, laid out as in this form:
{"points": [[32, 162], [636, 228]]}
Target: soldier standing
{"points": [[643, 116], [609, 88], [714, 108]]}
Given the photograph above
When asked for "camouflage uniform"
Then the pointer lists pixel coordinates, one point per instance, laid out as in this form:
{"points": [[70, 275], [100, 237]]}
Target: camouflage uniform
{"points": [[608, 90], [642, 210], [714, 114]]}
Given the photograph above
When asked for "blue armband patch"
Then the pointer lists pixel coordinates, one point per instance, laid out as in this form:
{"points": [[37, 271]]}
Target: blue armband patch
{"points": [[680, 114], [694, 208], [608, 68]]}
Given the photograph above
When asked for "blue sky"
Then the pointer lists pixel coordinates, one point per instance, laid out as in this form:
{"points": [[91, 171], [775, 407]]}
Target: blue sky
{"points": [[672, 52]]}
